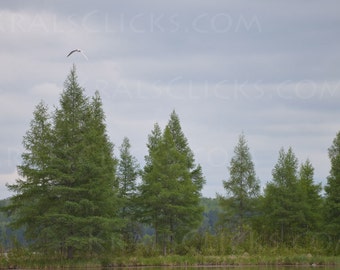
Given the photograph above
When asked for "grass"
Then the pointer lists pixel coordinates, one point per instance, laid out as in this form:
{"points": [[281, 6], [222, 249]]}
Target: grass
{"points": [[200, 260], [36, 261]]}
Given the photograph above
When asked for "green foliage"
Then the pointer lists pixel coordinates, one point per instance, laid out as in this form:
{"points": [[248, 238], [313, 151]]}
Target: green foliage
{"points": [[127, 173], [242, 188], [171, 184], [211, 214], [74, 199], [291, 203], [182, 145], [310, 197], [281, 199], [332, 189], [8, 236], [65, 196], [282, 209]]}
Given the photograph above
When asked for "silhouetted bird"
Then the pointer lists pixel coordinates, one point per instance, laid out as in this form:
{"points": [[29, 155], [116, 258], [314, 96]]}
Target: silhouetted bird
{"points": [[77, 50]]}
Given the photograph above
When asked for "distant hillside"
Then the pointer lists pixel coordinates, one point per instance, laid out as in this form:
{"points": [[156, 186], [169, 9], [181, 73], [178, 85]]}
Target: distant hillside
{"points": [[211, 213], [7, 235]]}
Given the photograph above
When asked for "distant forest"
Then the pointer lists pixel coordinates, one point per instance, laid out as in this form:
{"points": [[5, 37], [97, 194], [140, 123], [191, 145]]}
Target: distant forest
{"points": [[9, 237], [75, 198]]}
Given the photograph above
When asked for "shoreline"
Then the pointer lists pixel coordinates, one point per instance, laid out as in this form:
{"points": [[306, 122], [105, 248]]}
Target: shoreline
{"points": [[173, 261]]}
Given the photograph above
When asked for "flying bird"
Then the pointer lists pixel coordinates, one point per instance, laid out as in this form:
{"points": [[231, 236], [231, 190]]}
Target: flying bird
{"points": [[77, 50]]}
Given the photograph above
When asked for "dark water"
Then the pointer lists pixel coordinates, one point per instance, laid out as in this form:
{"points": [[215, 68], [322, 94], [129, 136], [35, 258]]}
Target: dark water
{"points": [[304, 267], [213, 267]]}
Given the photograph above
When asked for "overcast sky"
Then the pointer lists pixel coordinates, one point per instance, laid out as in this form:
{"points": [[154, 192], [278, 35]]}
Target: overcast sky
{"points": [[269, 69]]}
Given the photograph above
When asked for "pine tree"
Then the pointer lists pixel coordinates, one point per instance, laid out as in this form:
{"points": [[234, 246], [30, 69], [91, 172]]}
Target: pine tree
{"points": [[182, 146], [70, 162], [284, 213], [191, 189], [145, 189], [153, 141], [332, 190], [32, 189], [170, 190], [127, 173], [310, 196], [242, 187]]}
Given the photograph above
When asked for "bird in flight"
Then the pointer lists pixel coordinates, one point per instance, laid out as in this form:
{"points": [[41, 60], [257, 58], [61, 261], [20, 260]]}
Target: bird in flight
{"points": [[77, 50]]}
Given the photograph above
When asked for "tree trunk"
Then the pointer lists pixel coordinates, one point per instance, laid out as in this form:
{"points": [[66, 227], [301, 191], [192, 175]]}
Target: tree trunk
{"points": [[69, 252], [164, 246]]}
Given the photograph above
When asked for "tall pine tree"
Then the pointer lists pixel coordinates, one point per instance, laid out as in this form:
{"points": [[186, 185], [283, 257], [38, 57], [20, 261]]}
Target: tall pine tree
{"points": [[284, 213], [182, 145], [242, 187], [71, 162], [32, 189], [310, 196], [332, 189], [170, 190], [127, 174]]}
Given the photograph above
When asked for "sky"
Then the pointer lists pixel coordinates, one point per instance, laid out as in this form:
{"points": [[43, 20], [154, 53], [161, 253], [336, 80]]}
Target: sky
{"points": [[267, 69]]}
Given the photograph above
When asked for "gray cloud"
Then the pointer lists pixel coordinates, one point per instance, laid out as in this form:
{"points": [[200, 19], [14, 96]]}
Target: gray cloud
{"points": [[269, 70]]}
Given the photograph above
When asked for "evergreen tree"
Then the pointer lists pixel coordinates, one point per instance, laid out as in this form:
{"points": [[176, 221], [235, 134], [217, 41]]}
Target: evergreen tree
{"points": [[145, 189], [332, 190], [182, 146], [310, 196], [153, 141], [32, 189], [170, 190], [127, 173], [193, 188], [284, 214], [242, 187], [68, 177]]}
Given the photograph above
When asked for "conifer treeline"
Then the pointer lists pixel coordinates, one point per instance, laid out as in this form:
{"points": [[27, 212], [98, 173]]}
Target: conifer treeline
{"points": [[75, 198]]}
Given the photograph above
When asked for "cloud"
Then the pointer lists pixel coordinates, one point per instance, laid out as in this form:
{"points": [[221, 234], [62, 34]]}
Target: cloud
{"points": [[49, 92], [268, 70]]}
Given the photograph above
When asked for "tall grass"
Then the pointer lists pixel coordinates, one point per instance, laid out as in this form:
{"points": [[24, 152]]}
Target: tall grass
{"points": [[37, 261], [222, 248]]}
